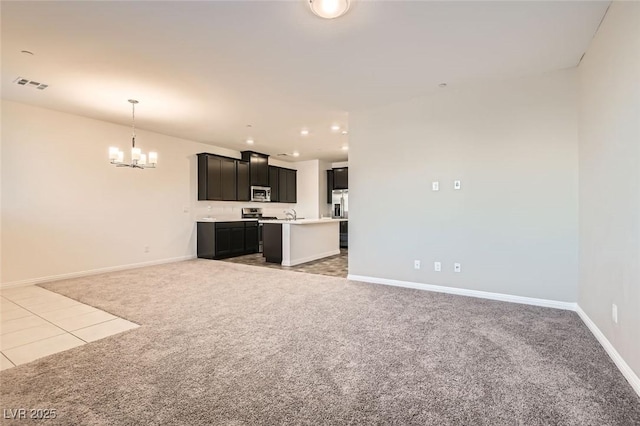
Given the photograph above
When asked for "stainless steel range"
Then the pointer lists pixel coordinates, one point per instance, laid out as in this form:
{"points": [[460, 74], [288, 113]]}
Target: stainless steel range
{"points": [[256, 213]]}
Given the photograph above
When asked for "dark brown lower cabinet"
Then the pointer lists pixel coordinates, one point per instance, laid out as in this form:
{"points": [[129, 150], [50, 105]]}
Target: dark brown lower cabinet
{"points": [[272, 240], [218, 240]]}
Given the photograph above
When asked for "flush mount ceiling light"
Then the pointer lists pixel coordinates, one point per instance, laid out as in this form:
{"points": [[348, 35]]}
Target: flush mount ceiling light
{"points": [[296, 154], [329, 9], [250, 141], [304, 132], [138, 159], [335, 127]]}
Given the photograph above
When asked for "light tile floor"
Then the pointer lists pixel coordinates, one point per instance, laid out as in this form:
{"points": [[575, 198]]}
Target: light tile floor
{"points": [[335, 266], [36, 322]]}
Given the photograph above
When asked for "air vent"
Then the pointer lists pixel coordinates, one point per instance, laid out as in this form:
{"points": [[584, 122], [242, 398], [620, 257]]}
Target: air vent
{"points": [[30, 83]]}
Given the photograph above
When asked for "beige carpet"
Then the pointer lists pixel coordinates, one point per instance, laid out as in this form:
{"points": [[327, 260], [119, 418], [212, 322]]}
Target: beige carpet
{"points": [[223, 343]]}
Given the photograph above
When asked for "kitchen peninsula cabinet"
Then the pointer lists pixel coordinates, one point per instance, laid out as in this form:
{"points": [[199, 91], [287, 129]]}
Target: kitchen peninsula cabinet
{"points": [[219, 240]]}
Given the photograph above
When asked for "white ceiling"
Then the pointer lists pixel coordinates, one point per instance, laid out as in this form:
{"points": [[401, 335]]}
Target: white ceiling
{"points": [[203, 70]]}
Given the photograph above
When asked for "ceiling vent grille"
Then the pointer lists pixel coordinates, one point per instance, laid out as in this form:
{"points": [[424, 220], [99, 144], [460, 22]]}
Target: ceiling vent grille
{"points": [[30, 83]]}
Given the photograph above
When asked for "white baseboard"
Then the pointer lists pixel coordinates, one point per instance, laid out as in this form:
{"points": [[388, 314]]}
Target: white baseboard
{"points": [[32, 281], [294, 262], [624, 368], [570, 306]]}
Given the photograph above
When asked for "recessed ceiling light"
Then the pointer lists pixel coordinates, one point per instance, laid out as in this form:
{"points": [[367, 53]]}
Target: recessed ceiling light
{"points": [[296, 154], [442, 85], [250, 141], [344, 132], [304, 132], [329, 9], [345, 148], [335, 127]]}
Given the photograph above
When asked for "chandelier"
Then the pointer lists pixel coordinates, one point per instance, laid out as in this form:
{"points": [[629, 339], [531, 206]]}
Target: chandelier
{"points": [[138, 159]]}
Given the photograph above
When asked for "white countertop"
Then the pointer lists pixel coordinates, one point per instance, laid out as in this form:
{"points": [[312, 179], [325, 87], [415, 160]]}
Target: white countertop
{"points": [[281, 221], [221, 219], [303, 221]]}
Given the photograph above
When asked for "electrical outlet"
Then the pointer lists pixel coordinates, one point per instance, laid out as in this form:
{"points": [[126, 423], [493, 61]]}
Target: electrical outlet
{"points": [[456, 267], [614, 313], [437, 266], [435, 186], [457, 184], [416, 264]]}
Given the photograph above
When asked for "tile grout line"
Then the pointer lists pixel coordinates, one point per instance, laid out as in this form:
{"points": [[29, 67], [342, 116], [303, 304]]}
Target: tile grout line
{"points": [[68, 332]]}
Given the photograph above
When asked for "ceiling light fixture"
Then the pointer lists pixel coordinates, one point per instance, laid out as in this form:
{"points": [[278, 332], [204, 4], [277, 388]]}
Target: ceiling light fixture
{"points": [[345, 148], [304, 132], [335, 127], [138, 159], [329, 9], [250, 141], [296, 154], [344, 132]]}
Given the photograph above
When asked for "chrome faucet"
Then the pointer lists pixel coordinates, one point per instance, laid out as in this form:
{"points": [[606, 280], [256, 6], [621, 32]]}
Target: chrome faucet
{"points": [[293, 215]]}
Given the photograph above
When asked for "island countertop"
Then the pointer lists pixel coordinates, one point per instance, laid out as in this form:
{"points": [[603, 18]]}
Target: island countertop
{"points": [[303, 221]]}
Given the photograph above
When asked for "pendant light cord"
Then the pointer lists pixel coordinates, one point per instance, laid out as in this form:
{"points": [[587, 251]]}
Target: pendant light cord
{"points": [[133, 123]]}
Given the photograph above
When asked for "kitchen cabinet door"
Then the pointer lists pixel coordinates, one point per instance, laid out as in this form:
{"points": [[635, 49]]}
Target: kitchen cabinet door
{"points": [[282, 185], [259, 167], [209, 177], [223, 242], [292, 186], [274, 179], [237, 239], [329, 186], [228, 179], [243, 186], [287, 186], [251, 237], [341, 178]]}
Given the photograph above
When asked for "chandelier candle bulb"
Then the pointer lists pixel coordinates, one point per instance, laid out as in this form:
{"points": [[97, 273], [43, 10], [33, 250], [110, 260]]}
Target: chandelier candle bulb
{"points": [[120, 157], [153, 157], [143, 159], [135, 153], [113, 153]]}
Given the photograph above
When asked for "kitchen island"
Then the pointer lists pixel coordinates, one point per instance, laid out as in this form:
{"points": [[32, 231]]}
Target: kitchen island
{"points": [[292, 242]]}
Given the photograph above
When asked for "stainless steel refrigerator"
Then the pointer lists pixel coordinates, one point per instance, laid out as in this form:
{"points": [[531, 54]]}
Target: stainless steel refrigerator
{"points": [[340, 203]]}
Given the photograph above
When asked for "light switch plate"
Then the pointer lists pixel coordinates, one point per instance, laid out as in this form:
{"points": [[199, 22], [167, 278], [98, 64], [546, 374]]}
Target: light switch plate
{"points": [[457, 184], [435, 186]]}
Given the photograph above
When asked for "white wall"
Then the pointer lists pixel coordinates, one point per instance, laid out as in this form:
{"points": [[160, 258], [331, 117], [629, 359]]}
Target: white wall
{"points": [[609, 134], [66, 210], [513, 226], [312, 187]]}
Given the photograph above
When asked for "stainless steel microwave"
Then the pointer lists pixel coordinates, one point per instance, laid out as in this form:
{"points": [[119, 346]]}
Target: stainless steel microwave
{"points": [[261, 193]]}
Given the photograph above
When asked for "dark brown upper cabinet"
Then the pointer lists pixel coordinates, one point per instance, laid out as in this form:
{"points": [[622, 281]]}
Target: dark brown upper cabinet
{"points": [[341, 178], [284, 185], [274, 179], [222, 178], [243, 187], [258, 168]]}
